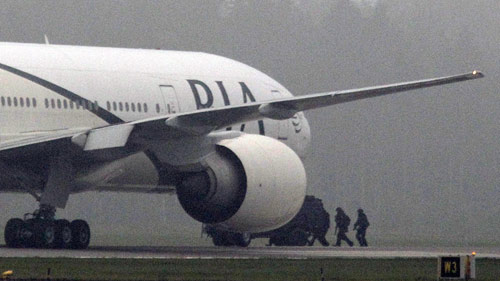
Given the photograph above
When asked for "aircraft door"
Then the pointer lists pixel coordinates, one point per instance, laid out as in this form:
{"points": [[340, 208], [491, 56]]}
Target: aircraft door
{"points": [[283, 128], [171, 103]]}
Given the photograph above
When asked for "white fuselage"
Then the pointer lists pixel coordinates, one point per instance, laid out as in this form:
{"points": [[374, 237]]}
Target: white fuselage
{"points": [[50, 88]]}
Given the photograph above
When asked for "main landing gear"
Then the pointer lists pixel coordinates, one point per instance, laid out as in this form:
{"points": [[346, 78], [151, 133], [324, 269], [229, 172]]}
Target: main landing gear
{"points": [[41, 230]]}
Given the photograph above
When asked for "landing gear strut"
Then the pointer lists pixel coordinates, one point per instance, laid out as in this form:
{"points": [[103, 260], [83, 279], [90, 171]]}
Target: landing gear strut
{"points": [[40, 229]]}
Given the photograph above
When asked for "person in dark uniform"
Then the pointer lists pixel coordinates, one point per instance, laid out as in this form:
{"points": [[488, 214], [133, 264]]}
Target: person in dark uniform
{"points": [[320, 228], [361, 225], [342, 221]]}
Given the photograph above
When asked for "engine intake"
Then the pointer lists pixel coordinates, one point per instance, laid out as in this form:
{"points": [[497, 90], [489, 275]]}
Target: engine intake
{"points": [[252, 183], [216, 194]]}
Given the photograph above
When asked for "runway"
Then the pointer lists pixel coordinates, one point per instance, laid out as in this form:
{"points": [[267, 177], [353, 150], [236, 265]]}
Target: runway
{"points": [[249, 253]]}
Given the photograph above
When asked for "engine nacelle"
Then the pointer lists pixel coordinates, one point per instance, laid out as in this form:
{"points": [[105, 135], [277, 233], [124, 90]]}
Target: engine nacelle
{"points": [[252, 183]]}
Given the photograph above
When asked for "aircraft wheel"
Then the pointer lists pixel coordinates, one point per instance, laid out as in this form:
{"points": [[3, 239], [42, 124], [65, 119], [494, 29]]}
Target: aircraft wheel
{"points": [[218, 240], [63, 234], [223, 239], [278, 240], [242, 239], [80, 232], [45, 233], [28, 239], [12, 233]]}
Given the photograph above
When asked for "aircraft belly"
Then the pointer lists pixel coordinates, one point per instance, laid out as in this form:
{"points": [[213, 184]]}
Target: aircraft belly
{"points": [[9, 182], [7, 185], [137, 169]]}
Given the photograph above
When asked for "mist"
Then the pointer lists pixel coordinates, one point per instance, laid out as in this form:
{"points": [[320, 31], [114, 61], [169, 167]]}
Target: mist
{"points": [[424, 165]]}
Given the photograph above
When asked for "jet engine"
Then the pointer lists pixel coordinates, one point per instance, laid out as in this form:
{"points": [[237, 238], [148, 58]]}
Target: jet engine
{"points": [[251, 183]]}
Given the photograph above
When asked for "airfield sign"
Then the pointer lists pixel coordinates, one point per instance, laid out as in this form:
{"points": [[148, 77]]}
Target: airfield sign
{"points": [[456, 268], [451, 267]]}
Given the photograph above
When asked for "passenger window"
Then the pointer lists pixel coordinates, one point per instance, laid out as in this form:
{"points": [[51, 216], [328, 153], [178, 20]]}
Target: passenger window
{"points": [[114, 106], [120, 105], [21, 102], [90, 105], [157, 108], [145, 107], [71, 105], [28, 102], [3, 101], [108, 106], [58, 103], [139, 108], [65, 103], [53, 103], [46, 103], [133, 106], [126, 106], [15, 101], [33, 102], [9, 101]]}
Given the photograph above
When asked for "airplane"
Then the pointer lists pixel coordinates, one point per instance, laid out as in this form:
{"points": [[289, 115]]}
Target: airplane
{"points": [[227, 139]]}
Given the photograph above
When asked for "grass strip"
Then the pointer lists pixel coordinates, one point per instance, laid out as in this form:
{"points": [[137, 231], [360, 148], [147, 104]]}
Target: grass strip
{"points": [[365, 269]]}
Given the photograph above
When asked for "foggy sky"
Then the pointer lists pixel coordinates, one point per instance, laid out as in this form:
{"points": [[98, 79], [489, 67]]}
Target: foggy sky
{"points": [[425, 165]]}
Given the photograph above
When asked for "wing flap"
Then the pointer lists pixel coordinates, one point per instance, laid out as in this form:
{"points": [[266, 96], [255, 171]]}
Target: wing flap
{"points": [[108, 137]]}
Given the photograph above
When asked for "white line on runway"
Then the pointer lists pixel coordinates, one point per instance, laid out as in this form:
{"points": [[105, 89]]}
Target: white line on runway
{"points": [[248, 253]]}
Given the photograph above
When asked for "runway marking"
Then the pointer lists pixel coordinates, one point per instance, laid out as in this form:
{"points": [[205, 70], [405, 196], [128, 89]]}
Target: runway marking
{"points": [[247, 253]]}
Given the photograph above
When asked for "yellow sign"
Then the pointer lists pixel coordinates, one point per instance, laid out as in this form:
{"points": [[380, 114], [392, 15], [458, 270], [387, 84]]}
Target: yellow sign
{"points": [[457, 267], [450, 267]]}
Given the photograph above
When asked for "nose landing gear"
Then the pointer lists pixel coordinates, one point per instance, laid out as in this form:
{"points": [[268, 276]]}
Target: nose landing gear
{"points": [[41, 230]]}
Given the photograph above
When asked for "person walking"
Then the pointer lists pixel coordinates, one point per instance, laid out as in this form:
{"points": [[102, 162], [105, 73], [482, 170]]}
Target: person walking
{"points": [[320, 227], [342, 221], [360, 226]]}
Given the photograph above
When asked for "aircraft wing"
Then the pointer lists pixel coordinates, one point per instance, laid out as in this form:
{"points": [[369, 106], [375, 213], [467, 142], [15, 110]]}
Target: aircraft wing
{"points": [[205, 121], [331, 98], [34, 143]]}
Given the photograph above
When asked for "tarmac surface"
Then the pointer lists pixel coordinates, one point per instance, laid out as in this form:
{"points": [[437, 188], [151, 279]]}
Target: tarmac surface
{"points": [[141, 252]]}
